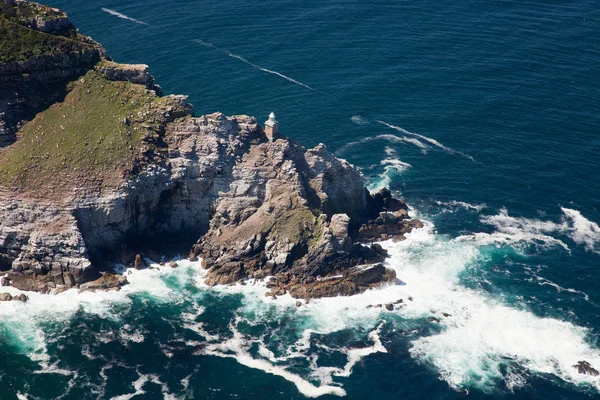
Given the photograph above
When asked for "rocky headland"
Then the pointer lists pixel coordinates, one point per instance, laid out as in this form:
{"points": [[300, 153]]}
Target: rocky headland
{"points": [[98, 167]]}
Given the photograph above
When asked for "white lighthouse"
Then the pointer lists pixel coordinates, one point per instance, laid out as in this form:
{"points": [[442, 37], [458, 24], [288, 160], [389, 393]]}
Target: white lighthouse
{"points": [[271, 127]]}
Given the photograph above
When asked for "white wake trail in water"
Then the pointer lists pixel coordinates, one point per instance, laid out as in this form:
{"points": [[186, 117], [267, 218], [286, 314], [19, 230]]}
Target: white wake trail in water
{"points": [[242, 59], [123, 16], [427, 139], [388, 138]]}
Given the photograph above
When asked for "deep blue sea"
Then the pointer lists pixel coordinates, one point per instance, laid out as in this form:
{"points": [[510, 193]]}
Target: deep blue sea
{"points": [[483, 115]]}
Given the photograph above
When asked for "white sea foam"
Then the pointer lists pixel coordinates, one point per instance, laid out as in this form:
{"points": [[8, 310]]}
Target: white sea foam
{"points": [[481, 334], [123, 16], [358, 120], [236, 347], [25, 322], [427, 139], [461, 204], [242, 59], [391, 168], [582, 230], [521, 231], [518, 232], [482, 342]]}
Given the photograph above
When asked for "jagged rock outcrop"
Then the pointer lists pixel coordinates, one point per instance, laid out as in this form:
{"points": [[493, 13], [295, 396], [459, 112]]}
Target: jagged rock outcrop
{"points": [[117, 172], [134, 73], [585, 368]]}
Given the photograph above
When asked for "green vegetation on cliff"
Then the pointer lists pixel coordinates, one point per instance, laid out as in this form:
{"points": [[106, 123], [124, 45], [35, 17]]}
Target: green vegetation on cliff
{"points": [[30, 30], [19, 43], [96, 137], [28, 13]]}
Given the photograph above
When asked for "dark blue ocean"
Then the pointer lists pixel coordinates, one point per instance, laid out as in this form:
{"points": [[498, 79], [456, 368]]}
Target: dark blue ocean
{"points": [[483, 115]]}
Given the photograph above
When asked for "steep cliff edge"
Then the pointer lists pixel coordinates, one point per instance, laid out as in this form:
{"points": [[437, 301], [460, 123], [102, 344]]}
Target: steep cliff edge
{"points": [[107, 168]]}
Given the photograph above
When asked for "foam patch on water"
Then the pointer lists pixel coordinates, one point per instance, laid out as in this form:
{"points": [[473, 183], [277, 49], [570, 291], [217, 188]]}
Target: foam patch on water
{"points": [[455, 204], [480, 335], [518, 232], [392, 167], [521, 232], [26, 323], [358, 120], [582, 230], [237, 348], [138, 385]]}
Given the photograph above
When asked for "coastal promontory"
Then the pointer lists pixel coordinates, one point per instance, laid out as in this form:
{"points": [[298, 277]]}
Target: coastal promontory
{"points": [[98, 167]]}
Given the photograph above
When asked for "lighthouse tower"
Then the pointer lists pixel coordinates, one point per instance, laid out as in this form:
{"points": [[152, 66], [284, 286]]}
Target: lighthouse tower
{"points": [[271, 127]]}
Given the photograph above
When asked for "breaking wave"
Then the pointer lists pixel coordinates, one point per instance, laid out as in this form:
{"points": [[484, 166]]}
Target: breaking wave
{"points": [[470, 338], [520, 232], [483, 342], [123, 16], [582, 230]]}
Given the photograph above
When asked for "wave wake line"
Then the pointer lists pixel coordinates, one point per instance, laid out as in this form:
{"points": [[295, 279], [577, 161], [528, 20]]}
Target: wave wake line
{"points": [[123, 16], [427, 139], [242, 59], [389, 138]]}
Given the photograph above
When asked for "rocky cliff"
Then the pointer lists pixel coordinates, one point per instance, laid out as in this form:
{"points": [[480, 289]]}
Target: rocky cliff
{"points": [[108, 168]]}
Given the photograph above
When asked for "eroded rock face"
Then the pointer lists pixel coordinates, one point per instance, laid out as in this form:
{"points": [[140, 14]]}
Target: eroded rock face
{"points": [[41, 244], [135, 73], [293, 211], [261, 208]]}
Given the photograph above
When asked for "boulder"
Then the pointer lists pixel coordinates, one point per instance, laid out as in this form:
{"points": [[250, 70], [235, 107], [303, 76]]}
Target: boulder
{"points": [[107, 281], [139, 262], [4, 281], [21, 297], [5, 297]]}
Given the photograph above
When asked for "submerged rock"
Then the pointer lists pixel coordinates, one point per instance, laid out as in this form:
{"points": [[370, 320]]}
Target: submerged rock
{"points": [[585, 368]]}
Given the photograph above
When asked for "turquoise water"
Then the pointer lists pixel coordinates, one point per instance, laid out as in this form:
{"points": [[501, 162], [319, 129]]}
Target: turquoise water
{"points": [[483, 115]]}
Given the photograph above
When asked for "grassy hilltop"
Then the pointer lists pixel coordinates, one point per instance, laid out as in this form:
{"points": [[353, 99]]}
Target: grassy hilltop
{"points": [[98, 135]]}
